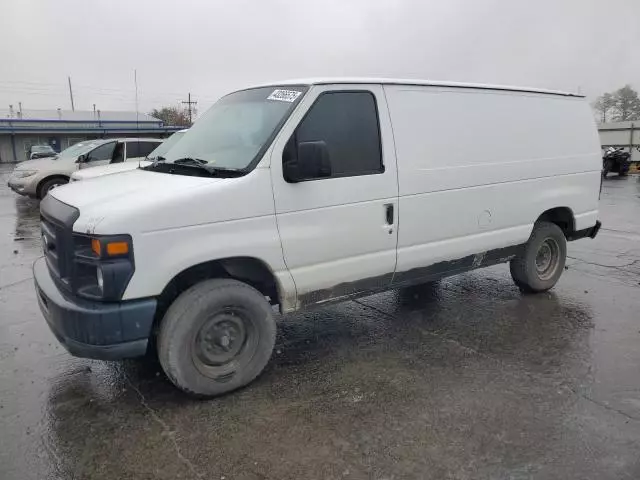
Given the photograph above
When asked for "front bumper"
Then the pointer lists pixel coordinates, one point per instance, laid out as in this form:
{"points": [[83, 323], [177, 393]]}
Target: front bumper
{"points": [[17, 186], [24, 185], [104, 331]]}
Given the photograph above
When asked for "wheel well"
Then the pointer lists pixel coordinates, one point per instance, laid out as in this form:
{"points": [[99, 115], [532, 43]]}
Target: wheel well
{"points": [[562, 217], [245, 269], [46, 179]]}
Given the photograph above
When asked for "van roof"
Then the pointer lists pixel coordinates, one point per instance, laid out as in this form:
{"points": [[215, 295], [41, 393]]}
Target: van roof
{"points": [[430, 83]]}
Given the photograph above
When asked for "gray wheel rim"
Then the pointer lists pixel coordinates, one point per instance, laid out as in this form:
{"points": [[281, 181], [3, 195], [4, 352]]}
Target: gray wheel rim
{"points": [[224, 343], [547, 259]]}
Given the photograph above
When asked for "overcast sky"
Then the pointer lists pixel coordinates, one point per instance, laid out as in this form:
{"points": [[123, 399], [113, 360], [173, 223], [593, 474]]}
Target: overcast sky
{"points": [[210, 47]]}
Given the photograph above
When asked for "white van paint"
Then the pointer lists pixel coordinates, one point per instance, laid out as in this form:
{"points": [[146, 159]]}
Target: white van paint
{"points": [[455, 196], [308, 192], [522, 154]]}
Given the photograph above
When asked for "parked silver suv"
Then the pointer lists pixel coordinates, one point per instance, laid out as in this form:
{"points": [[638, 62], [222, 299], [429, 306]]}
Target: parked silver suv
{"points": [[34, 178]]}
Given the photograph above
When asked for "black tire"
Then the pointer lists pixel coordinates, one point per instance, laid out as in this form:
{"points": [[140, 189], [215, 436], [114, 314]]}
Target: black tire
{"points": [[606, 168], [50, 184], [215, 337], [530, 270]]}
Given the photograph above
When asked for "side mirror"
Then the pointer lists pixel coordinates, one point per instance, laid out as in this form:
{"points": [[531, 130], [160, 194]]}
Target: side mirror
{"points": [[81, 159], [312, 161]]}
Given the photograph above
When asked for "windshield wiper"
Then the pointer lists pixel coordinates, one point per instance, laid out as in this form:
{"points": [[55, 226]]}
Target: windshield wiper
{"points": [[196, 165], [190, 160], [199, 163]]}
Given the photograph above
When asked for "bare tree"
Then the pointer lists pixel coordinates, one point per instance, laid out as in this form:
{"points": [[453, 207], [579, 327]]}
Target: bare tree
{"points": [[604, 104], [172, 116], [627, 104]]}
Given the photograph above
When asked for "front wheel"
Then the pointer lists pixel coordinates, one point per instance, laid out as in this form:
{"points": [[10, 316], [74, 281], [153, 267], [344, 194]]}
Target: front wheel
{"points": [[216, 336], [539, 266], [49, 185]]}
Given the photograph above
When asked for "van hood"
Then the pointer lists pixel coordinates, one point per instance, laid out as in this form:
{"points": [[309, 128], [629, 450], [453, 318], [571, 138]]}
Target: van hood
{"points": [[143, 201], [135, 187]]}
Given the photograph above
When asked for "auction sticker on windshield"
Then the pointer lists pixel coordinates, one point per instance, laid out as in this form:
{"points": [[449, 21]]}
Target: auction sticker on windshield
{"points": [[284, 95]]}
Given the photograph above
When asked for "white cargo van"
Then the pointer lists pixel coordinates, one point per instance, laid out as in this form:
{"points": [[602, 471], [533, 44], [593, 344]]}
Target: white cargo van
{"points": [[302, 193]]}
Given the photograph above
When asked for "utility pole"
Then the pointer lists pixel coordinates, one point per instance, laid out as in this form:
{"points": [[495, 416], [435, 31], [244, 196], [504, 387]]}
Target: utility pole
{"points": [[135, 81], [189, 103], [73, 109]]}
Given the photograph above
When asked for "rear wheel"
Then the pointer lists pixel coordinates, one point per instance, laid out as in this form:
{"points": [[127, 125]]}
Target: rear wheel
{"points": [[216, 336], [606, 168], [49, 185], [539, 266]]}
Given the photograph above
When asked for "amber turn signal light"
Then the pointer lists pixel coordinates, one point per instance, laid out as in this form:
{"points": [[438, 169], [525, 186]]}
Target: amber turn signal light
{"points": [[117, 248], [96, 247], [112, 248]]}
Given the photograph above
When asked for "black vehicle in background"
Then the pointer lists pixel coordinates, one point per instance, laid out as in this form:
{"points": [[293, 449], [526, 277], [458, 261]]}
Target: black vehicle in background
{"points": [[41, 151], [615, 160]]}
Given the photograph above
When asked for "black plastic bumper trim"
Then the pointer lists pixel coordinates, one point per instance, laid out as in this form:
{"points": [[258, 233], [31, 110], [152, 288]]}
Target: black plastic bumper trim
{"points": [[590, 232], [100, 330]]}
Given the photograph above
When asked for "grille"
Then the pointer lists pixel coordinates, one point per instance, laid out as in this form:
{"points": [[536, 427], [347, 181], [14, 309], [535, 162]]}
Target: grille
{"points": [[56, 220], [57, 243]]}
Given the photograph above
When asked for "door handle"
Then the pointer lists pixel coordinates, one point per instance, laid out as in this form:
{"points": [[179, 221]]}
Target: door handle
{"points": [[389, 213]]}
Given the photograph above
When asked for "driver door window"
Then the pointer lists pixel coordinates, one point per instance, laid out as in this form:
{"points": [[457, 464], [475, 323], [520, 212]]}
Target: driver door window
{"points": [[347, 123]]}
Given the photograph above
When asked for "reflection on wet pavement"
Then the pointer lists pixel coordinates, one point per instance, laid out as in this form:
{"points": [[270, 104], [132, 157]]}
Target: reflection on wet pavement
{"points": [[465, 378]]}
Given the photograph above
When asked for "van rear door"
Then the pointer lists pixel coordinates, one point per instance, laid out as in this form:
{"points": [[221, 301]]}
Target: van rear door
{"points": [[338, 226]]}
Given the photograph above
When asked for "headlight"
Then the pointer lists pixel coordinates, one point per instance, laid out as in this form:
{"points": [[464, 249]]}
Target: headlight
{"points": [[103, 266], [23, 173], [100, 279]]}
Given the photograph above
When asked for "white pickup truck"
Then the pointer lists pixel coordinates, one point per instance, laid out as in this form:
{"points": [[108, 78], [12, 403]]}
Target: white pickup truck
{"points": [[303, 193]]}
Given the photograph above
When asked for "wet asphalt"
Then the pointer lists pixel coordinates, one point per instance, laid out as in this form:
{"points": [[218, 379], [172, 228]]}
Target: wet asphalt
{"points": [[465, 379]]}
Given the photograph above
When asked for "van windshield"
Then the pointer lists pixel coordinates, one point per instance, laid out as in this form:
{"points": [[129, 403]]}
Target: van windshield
{"points": [[237, 129]]}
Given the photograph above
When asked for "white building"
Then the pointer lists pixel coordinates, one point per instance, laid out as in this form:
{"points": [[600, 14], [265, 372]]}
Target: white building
{"points": [[622, 134]]}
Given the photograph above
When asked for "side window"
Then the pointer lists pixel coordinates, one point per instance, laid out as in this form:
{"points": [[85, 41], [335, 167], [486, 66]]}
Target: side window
{"points": [[140, 149], [341, 133], [133, 149], [103, 152], [147, 147]]}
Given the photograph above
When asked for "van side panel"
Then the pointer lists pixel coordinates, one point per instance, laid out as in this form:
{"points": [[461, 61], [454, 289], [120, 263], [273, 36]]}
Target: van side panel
{"points": [[476, 168]]}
